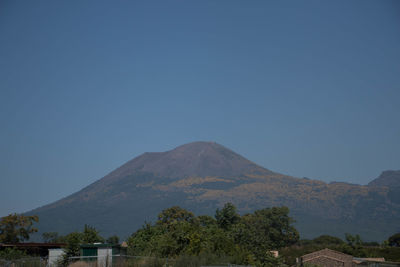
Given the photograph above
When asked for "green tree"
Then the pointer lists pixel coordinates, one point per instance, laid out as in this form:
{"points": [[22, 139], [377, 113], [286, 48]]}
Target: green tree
{"points": [[228, 238], [12, 254], [142, 241], [75, 239], [206, 221], [17, 228], [266, 230], [174, 214], [227, 216], [327, 240], [113, 240], [52, 237], [72, 249], [394, 240], [354, 246], [353, 240], [269, 260], [91, 235]]}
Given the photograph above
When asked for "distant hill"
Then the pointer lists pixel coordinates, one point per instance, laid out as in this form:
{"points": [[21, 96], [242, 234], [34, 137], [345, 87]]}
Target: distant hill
{"points": [[387, 178], [201, 177]]}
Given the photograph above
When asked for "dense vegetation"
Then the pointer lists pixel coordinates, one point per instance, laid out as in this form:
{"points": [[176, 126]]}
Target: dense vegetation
{"points": [[244, 239], [189, 240]]}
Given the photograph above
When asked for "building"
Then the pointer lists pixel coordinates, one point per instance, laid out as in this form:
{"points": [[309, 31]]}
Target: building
{"points": [[103, 253], [34, 249], [327, 258], [55, 255], [331, 258]]}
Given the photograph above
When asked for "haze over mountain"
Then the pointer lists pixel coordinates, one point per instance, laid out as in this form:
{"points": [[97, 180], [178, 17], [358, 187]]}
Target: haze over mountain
{"points": [[202, 176], [387, 178]]}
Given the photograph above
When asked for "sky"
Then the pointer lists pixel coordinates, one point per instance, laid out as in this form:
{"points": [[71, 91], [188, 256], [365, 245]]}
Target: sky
{"points": [[305, 88]]}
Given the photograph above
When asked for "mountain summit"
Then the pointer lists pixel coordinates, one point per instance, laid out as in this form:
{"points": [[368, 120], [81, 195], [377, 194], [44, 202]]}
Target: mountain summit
{"points": [[197, 159], [203, 176]]}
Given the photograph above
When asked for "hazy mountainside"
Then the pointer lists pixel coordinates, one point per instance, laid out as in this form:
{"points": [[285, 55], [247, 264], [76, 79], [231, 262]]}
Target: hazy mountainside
{"points": [[195, 159], [202, 176], [387, 178]]}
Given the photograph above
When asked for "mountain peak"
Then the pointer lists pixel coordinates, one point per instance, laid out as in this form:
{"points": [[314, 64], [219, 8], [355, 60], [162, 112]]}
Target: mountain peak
{"points": [[197, 159]]}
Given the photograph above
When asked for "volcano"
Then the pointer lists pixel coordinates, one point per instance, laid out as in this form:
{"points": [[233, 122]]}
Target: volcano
{"points": [[203, 176]]}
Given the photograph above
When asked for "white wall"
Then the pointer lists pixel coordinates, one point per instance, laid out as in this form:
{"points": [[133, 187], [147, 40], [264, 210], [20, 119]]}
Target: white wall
{"points": [[104, 255], [55, 254]]}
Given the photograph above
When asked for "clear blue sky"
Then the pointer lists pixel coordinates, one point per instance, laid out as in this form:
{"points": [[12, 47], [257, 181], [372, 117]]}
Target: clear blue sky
{"points": [[305, 88]]}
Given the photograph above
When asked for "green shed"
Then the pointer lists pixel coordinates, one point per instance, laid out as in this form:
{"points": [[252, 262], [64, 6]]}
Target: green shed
{"points": [[103, 253]]}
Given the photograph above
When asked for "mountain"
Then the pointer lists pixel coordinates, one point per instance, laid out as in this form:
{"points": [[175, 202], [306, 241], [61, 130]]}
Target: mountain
{"points": [[387, 178], [201, 177]]}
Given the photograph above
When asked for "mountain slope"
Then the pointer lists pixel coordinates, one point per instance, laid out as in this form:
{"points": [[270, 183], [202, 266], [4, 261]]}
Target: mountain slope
{"points": [[202, 176], [387, 178]]}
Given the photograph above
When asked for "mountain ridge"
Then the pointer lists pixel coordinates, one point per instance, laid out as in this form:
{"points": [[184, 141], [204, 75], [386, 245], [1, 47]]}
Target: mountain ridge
{"points": [[202, 176], [387, 178], [201, 159]]}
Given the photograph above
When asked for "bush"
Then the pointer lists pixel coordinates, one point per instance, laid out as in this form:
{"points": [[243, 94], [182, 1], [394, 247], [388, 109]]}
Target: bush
{"points": [[12, 254]]}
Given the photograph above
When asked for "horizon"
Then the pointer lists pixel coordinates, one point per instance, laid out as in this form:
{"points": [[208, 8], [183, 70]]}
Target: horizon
{"points": [[306, 89]]}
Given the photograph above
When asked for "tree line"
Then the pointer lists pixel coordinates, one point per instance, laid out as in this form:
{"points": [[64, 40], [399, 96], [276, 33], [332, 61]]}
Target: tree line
{"points": [[224, 237], [246, 239]]}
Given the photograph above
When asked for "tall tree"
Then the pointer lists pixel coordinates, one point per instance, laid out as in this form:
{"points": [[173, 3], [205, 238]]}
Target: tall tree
{"points": [[394, 240], [173, 215], [265, 230], [16, 228], [353, 240], [227, 216], [52, 237], [75, 239], [91, 235], [113, 239]]}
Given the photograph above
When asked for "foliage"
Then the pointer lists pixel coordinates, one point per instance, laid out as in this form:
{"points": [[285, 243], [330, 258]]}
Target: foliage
{"points": [[16, 228], [370, 244], [354, 246], [353, 241], [389, 253], [173, 215], [91, 235], [394, 240], [203, 259], [113, 240], [12, 254], [73, 245], [206, 221], [75, 239], [53, 237], [265, 230], [268, 260], [227, 216], [228, 237], [327, 240]]}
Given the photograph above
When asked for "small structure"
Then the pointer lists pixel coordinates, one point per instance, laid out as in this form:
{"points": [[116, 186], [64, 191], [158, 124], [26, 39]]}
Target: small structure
{"points": [[103, 253], [327, 258], [55, 255]]}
